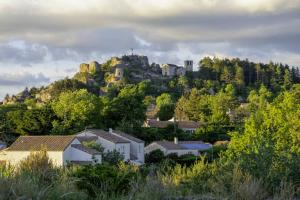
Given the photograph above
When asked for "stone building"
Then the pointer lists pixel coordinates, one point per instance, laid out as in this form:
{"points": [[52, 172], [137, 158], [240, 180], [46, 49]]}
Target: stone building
{"points": [[188, 65], [171, 70]]}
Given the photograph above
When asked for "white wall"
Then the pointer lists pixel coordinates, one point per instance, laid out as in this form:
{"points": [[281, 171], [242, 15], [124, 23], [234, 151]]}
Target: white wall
{"points": [[183, 152], [124, 149], [137, 149], [14, 157]]}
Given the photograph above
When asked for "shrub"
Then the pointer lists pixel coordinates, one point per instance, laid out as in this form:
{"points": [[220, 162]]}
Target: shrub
{"points": [[155, 156], [105, 179], [112, 157], [37, 164]]}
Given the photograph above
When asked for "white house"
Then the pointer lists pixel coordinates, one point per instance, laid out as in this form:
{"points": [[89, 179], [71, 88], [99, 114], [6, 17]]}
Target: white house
{"points": [[180, 148], [132, 148], [62, 150]]}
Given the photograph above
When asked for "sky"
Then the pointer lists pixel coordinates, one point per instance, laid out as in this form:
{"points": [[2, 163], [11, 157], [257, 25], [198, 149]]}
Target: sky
{"points": [[42, 41]]}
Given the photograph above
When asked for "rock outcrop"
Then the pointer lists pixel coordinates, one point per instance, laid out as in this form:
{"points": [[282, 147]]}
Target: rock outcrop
{"points": [[93, 67]]}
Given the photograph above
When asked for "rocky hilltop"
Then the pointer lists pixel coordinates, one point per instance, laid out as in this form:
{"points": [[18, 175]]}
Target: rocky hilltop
{"points": [[132, 68], [98, 77]]}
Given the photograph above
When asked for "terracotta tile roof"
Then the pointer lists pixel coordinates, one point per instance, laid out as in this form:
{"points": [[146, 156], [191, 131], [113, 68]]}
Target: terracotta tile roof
{"points": [[129, 137], [107, 136], [85, 149], [181, 124], [37, 143]]}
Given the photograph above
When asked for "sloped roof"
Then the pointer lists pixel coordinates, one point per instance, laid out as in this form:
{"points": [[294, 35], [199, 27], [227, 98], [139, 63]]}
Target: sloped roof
{"points": [[129, 137], [181, 124], [37, 143], [169, 145], [86, 138], [107, 136], [184, 145], [85, 149]]}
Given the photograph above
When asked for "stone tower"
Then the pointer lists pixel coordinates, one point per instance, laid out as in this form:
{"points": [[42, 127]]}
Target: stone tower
{"points": [[188, 65]]}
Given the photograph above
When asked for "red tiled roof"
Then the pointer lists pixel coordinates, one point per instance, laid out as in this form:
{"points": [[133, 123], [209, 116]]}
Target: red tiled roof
{"points": [[37, 143]]}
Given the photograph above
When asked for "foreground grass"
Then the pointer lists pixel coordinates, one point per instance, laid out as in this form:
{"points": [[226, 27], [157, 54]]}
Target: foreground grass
{"points": [[37, 178]]}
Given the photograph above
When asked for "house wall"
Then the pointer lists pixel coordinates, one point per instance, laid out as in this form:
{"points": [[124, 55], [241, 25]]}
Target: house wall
{"points": [[179, 152], [14, 157], [110, 146], [124, 148], [183, 152], [137, 149]]}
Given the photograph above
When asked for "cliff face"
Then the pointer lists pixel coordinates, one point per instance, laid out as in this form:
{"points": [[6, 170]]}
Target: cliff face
{"points": [[93, 67]]}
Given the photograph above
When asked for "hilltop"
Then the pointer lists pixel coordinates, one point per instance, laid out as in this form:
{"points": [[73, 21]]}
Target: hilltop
{"points": [[99, 77], [116, 72]]}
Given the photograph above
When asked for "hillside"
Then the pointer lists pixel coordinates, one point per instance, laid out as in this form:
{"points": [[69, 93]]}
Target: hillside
{"points": [[100, 78]]}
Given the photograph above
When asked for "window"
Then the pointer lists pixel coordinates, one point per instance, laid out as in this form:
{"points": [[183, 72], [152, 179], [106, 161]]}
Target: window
{"points": [[139, 148]]}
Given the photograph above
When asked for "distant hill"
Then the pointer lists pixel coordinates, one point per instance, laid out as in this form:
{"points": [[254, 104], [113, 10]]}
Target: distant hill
{"points": [[98, 78]]}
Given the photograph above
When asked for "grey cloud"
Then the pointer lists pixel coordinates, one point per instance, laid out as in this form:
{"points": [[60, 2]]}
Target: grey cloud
{"points": [[23, 79]]}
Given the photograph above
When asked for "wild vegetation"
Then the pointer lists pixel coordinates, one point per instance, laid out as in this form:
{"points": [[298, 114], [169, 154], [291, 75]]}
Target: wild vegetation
{"points": [[254, 106]]}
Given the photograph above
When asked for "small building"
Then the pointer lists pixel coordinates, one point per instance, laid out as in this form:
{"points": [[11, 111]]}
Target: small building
{"points": [[62, 150], [187, 126], [130, 147], [178, 147], [170, 70]]}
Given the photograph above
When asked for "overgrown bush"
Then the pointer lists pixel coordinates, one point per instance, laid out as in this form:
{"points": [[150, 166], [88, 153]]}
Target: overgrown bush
{"points": [[102, 179], [155, 156]]}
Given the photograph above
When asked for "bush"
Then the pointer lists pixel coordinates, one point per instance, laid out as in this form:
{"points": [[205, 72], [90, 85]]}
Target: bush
{"points": [[105, 179], [112, 157], [155, 156], [37, 178]]}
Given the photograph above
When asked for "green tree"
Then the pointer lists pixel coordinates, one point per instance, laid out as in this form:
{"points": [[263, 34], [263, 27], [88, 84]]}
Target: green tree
{"points": [[239, 78], [269, 146], [287, 79], [166, 106], [76, 110], [36, 121], [127, 110]]}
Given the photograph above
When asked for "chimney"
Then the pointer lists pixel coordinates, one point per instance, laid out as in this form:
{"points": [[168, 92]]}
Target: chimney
{"points": [[110, 130], [175, 140]]}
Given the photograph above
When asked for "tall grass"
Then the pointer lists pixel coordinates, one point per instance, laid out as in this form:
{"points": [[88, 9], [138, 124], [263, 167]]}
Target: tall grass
{"points": [[37, 178]]}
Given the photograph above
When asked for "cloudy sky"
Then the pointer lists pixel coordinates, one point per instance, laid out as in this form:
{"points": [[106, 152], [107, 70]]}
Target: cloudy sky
{"points": [[43, 40]]}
